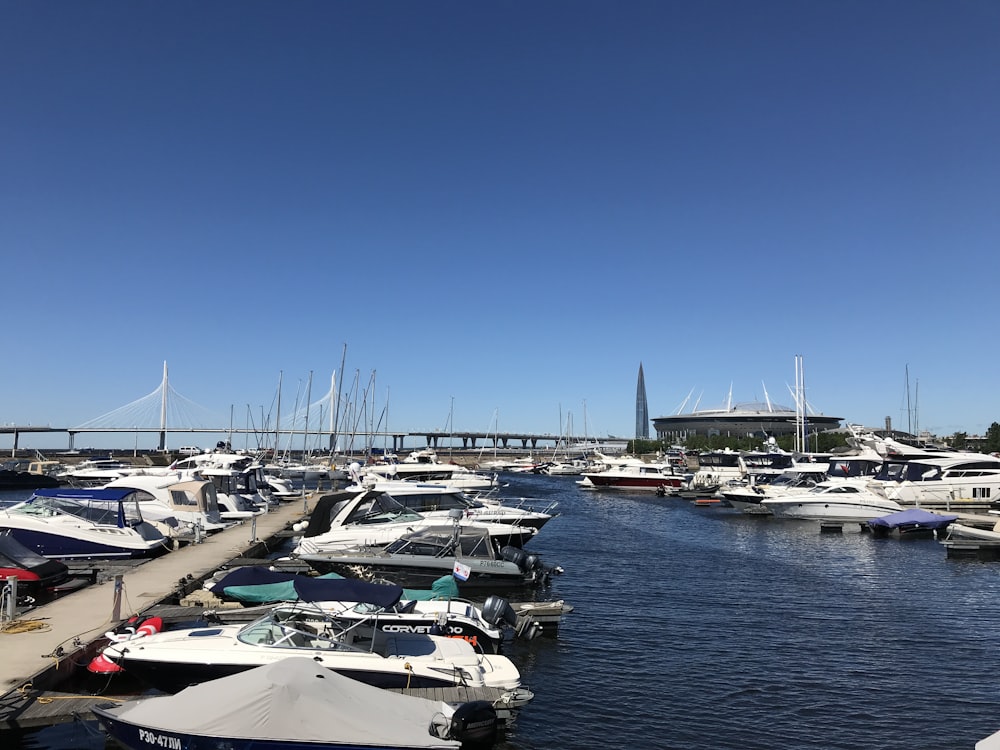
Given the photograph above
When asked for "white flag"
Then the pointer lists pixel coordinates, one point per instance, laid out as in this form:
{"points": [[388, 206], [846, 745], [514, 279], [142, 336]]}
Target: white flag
{"points": [[461, 572]]}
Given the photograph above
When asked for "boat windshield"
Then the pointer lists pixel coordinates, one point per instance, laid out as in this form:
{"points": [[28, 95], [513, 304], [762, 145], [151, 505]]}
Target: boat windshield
{"points": [[706, 460], [423, 502], [118, 513], [851, 467], [381, 508], [907, 471], [296, 630]]}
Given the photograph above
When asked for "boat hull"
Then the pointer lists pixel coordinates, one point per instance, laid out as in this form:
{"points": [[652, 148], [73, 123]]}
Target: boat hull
{"points": [[81, 547], [422, 572], [135, 737], [652, 483], [830, 511]]}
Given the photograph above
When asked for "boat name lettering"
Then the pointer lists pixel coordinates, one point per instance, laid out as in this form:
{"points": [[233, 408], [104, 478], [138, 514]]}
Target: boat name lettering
{"points": [[405, 628], [160, 740], [452, 630], [491, 563]]}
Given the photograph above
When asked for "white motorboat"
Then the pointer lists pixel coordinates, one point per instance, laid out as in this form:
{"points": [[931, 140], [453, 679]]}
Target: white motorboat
{"points": [[191, 503], [420, 557], [843, 501], [436, 500], [95, 472], [750, 496], [237, 477], [83, 523], [424, 466], [438, 610], [295, 704], [374, 519], [172, 660], [717, 469]]}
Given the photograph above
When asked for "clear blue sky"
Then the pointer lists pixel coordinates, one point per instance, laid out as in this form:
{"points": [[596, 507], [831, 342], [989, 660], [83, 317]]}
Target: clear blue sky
{"points": [[501, 208]]}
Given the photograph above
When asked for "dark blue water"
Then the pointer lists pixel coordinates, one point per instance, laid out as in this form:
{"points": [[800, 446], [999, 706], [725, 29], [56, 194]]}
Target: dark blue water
{"points": [[697, 627]]}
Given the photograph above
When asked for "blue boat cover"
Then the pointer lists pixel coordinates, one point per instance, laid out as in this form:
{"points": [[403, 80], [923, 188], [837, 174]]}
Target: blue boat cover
{"points": [[347, 590], [915, 517], [79, 493]]}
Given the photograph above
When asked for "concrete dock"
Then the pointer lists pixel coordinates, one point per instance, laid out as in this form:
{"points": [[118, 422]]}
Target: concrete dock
{"points": [[48, 643]]}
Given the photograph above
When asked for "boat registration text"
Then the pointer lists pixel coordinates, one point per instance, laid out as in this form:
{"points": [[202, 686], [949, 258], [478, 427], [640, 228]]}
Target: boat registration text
{"points": [[160, 740]]}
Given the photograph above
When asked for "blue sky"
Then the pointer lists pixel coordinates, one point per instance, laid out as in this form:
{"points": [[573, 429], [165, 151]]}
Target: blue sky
{"points": [[501, 209]]}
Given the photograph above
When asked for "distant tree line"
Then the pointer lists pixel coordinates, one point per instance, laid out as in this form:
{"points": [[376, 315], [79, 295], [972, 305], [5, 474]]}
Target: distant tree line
{"points": [[989, 444]]}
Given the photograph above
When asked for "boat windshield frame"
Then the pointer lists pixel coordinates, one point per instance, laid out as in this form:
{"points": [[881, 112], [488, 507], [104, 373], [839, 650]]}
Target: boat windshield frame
{"points": [[121, 513]]}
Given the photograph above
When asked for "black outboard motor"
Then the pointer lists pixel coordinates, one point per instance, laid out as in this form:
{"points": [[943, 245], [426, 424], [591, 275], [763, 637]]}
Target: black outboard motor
{"points": [[515, 555], [497, 609], [476, 725]]}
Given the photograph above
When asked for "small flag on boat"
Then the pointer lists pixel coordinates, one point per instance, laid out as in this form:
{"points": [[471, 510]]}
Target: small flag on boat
{"points": [[461, 572]]}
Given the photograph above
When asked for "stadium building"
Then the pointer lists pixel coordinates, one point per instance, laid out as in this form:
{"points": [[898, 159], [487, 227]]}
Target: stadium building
{"points": [[740, 420]]}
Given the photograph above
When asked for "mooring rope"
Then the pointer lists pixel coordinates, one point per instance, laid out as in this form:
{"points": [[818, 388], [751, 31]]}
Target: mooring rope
{"points": [[24, 626]]}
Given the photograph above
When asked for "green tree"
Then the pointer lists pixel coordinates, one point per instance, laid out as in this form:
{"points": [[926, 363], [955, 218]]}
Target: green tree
{"points": [[992, 444]]}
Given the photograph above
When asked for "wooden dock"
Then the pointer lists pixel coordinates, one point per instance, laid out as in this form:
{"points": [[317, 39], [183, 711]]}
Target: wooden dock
{"points": [[44, 647]]}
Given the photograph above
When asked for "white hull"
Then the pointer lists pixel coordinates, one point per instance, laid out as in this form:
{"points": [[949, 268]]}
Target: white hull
{"points": [[832, 511]]}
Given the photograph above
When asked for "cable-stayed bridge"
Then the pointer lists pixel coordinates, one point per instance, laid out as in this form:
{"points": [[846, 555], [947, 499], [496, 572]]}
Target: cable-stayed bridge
{"points": [[325, 425]]}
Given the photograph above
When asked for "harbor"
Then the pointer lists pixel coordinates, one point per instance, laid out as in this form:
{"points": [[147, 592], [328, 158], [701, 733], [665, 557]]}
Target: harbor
{"points": [[781, 628]]}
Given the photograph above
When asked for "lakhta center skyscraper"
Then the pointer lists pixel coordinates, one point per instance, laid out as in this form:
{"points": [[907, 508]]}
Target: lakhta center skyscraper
{"points": [[641, 411]]}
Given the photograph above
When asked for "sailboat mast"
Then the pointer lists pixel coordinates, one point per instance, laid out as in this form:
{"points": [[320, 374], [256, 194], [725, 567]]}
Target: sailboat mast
{"points": [[305, 431], [336, 409]]}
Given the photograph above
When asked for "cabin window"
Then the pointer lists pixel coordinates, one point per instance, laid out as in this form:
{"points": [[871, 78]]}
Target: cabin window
{"points": [[183, 498]]}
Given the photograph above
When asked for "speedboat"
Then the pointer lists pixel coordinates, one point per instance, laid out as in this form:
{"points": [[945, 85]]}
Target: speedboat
{"points": [[750, 497], [436, 611], [424, 466], [295, 704], [83, 524], [12, 477], [95, 472], [437, 499], [843, 501], [419, 557], [172, 660], [38, 577], [373, 518]]}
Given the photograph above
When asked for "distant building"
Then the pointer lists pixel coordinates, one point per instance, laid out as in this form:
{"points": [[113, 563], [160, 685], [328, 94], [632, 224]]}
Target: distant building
{"points": [[641, 410], [740, 420]]}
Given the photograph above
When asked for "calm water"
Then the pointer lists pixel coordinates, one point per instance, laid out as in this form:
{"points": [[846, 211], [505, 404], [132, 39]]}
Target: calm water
{"points": [[697, 627]]}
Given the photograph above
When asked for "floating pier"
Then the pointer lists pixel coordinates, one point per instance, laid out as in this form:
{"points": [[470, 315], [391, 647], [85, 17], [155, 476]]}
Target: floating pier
{"points": [[44, 647]]}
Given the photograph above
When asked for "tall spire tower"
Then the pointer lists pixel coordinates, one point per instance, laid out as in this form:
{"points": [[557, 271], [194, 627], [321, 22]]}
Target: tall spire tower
{"points": [[641, 411]]}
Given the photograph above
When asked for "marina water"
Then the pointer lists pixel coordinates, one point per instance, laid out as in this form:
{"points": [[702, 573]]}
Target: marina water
{"points": [[699, 628]]}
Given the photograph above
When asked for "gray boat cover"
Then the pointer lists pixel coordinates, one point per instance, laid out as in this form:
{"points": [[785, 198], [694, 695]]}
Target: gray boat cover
{"points": [[294, 700]]}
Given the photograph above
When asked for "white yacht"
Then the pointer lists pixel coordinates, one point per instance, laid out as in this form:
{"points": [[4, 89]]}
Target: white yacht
{"points": [[437, 500], [842, 501], [191, 503], [751, 496], [946, 480], [374, 519], [424, 466]]}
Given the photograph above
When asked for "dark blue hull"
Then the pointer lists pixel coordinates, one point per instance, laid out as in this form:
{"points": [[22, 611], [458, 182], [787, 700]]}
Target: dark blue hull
{"points": [[62, 547]]}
